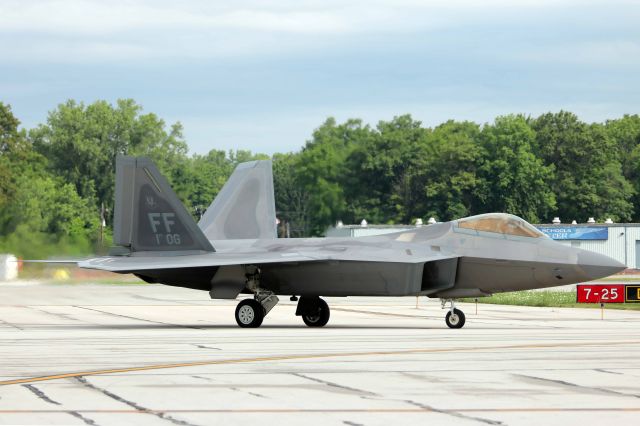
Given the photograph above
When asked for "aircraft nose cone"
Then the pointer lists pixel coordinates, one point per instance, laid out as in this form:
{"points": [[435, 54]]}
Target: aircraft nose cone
{"points": [[597, 265]]}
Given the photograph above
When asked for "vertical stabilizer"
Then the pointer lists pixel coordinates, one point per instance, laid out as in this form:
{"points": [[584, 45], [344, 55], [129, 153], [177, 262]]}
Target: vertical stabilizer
{"points": [[245, 207], [148, 215]]}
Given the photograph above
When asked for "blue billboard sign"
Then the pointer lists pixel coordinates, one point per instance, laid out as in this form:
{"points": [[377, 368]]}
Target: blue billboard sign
{"points": [[576, 232]]}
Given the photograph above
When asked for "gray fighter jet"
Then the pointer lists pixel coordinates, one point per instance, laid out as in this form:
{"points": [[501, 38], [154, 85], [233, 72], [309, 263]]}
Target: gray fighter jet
{"points": [[234, 249]]}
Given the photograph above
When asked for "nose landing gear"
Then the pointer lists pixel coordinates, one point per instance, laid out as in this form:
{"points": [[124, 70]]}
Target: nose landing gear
{"points": [[455, 317]]}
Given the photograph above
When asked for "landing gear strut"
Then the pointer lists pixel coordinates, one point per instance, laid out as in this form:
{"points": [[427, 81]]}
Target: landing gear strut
{"points": [[251, 312], [455, 317], [313, 310]]}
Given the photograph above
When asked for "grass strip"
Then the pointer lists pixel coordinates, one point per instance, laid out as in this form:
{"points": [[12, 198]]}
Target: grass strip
{"points": [[546, 298]]}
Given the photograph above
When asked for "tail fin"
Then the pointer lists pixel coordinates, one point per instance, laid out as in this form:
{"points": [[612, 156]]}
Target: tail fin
{"points": [[245, 207], [148, 215]]}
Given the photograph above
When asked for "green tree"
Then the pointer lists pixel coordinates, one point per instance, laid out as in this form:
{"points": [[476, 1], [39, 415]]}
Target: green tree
{"points": [[242, 156], [17, 160], [625, 133], [322, 170], [448, 178], [379, 168], [47, 216], [589, 179], [11, 146], [292, 200], [200, 178], [54, 178], [517, 181], [47, 205], [81, 143]]}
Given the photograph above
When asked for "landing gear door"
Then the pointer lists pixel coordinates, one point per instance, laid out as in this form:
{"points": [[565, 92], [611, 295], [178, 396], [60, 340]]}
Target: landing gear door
{"points": [[439, 275], [228, 282]]}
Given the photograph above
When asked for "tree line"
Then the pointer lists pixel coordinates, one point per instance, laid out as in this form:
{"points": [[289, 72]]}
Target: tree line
{"points": [[57, 179]]}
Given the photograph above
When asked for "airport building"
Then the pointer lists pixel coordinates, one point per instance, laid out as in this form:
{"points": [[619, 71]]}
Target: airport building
{"points": [[620, 241]]}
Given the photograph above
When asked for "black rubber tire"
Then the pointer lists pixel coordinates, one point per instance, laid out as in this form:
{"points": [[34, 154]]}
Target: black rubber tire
{"points": [[321, 318], [456, 322], [249, 313]]}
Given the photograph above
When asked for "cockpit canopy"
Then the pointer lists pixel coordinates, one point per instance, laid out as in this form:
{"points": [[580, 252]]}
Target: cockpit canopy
{"points": [[500, 223]]}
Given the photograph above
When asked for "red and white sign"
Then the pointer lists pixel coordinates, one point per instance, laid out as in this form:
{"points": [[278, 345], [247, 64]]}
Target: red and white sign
{"points": [[600, 293]]}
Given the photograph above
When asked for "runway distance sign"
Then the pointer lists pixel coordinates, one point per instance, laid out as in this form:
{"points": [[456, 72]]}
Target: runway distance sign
{"points": [[600, 293], [632, 294]]}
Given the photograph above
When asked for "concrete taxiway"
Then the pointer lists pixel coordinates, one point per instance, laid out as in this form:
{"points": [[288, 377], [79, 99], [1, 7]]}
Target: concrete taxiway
{"points": [[151, 354]]}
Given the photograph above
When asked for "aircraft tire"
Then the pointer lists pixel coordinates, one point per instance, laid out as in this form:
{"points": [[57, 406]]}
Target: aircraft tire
{"points": [[249, 314], [321, 318], [456, 320]]}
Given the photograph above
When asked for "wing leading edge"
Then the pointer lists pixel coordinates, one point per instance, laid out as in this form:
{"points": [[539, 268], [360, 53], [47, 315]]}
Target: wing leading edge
{"points": [[124, 264]]}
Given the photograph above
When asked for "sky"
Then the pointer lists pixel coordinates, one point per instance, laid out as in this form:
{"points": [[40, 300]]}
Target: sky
{"points": [[262, 75]]}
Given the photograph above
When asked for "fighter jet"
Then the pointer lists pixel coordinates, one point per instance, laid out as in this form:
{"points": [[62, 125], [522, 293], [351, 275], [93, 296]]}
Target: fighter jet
{"points": [[234, 250]]}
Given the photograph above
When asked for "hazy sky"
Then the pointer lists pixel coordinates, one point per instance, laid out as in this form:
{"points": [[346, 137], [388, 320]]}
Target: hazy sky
{"points": [[261, 75]]}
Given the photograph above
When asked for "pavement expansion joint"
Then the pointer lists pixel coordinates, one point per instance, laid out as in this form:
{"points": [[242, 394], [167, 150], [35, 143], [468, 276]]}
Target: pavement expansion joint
{"points": [[316, 356], [106, 356]]}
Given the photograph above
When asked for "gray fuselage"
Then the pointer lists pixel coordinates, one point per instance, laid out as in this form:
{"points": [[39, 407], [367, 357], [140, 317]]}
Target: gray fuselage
{"points": [[473, 264]]}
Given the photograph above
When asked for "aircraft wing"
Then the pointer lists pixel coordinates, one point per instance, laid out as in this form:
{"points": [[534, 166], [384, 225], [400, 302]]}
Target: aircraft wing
{"points": [[142, 263], [124, 264]]}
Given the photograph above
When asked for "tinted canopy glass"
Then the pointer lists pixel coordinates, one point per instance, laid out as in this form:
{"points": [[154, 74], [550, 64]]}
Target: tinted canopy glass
{"points": [[500, 223]]}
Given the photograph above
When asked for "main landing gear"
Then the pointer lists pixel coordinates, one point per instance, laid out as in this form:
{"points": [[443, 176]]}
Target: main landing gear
{"points": [[251, 312], [313, 310], [455, 317]]}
